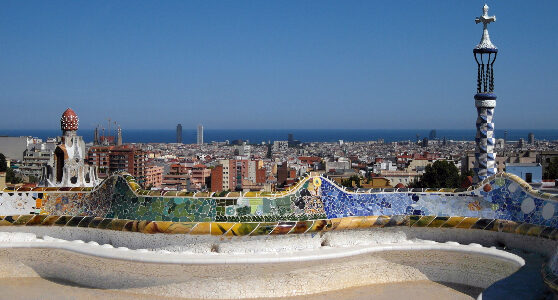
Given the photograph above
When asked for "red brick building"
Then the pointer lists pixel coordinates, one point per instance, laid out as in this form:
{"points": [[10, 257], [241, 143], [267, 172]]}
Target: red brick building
{"points": [[217, 179], [111, 159]]}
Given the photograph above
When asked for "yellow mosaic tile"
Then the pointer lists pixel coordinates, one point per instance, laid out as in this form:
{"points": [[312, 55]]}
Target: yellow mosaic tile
{"points": [[452, 222], [345, 223], [535, 230], [381, 221], [220, 228], [240, 229], [202, 228], [467, 223], [367, 222]]}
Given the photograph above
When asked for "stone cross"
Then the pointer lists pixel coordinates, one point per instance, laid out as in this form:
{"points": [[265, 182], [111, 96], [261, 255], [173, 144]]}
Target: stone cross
{"points": [[485, 18]]}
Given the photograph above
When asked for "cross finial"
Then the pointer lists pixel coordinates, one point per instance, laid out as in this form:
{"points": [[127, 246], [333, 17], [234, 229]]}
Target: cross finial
{"points": [[485, 18]]}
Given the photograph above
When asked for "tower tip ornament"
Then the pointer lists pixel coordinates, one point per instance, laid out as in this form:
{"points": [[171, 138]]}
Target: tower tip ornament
{"points": [[485, 45]]}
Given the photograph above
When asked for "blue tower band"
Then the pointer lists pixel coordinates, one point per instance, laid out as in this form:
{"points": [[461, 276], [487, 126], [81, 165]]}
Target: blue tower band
{"points": [[485, 101]]}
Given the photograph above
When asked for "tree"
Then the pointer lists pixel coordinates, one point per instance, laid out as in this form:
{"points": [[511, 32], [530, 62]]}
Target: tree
{"points": [[551, 171], [349, 181], [3, 163], [440, 174], [11, 176], [33, 179]]}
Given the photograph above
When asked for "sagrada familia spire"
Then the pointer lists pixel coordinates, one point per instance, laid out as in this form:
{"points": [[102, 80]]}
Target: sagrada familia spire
{"points": [[485, 100]]}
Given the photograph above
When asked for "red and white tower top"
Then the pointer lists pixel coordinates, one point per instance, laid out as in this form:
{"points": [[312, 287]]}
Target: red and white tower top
{"points": [[69, 121]]}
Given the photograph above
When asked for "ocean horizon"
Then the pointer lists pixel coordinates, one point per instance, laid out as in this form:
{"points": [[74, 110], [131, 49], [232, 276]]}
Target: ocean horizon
{"points": [[304, 135]]}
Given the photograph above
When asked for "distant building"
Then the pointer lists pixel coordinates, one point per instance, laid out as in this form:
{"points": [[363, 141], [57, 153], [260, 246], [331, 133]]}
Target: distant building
{"points": [[243, 174], [285, 175], [432, 135], [199, 174], [154, 176], [531, 173], [521, 143], [522, 157], [280, 146], [178, 177], [2, 180], [341, 164], [13, 147], [36, 158], [531, 138], [112, 159], [119, 137], [200, 134], [217, 179], [96, 140], [396, 177], [179, 133], [425, 142], [546, 157]]}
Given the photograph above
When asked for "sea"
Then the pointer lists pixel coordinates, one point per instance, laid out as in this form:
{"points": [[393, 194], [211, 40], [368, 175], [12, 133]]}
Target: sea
{"points": [[257, 136]]}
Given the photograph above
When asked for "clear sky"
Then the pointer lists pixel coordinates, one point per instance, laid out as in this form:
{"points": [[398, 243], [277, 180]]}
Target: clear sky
{"points": [[273, 64]]}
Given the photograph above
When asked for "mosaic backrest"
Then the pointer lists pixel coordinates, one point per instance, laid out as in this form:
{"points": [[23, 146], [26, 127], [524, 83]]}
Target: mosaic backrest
{"points": [[503, 196]]}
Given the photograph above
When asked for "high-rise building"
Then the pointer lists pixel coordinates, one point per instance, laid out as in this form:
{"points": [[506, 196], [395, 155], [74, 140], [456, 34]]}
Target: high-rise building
{"points": [[200, 134], [485, 101], [179, 133], [531, 138], [96, 136], [521, 143], [119, 138], [432, 135]]}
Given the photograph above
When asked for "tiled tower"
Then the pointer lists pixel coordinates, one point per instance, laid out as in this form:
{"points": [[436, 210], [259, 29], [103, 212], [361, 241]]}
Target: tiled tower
{"points": [[67, 167], [485, 100]]}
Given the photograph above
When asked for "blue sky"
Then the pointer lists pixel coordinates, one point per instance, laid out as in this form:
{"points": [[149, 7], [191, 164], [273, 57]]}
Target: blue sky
{"points": [[273, 64]]}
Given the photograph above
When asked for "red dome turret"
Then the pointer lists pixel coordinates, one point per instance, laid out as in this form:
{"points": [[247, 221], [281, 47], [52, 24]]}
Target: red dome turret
{"points": [[69, 121]]}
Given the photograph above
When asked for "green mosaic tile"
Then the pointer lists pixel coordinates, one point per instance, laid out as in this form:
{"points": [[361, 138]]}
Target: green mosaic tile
{"points": [[452, 222], [85, 222], [50, 220], [63, 220], [74, 221], [95, 222], [482, 223], [398, 221], [23, 219], [424, 221], [413, 220], [467, 223], [36, 220], [264, 229], [104, 223], [438, 222]]}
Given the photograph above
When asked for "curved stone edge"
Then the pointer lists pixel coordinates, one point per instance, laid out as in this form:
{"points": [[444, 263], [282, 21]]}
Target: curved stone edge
{"points": [[167, 257]]}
